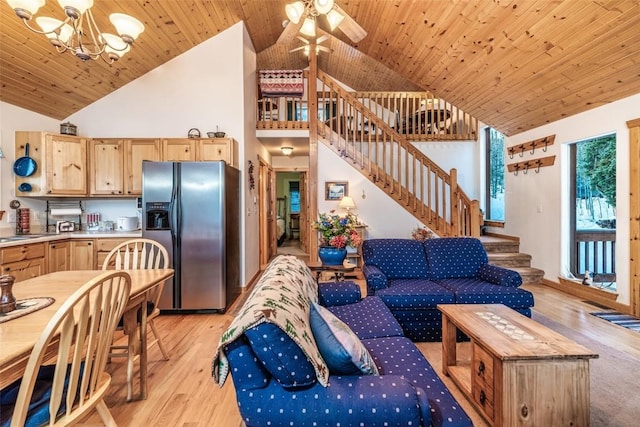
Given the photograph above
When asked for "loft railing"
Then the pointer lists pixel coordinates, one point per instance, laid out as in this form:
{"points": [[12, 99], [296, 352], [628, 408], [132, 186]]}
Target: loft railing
{"points": [[595, 251], [365, 135], [417, 116]]}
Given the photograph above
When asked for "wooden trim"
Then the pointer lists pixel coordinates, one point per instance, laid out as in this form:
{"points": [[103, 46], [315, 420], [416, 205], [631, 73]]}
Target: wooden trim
{"points": [[491, 223], [533, 164], [634, 217], [577, 289], [504, 236]]}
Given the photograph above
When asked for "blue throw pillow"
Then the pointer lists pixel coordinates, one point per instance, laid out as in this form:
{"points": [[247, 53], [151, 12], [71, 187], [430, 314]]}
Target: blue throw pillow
{"points": [[340, 348]]}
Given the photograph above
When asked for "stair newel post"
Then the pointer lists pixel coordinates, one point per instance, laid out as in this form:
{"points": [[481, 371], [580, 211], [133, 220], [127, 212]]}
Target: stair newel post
{"points": [[453, 203], [312, 99], [476, 218]]}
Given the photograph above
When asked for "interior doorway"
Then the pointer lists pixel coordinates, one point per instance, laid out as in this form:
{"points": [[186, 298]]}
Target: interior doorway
{"points": [[291, 213]]}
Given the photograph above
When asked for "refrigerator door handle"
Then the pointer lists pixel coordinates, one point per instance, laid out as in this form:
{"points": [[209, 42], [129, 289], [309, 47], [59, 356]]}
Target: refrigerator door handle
{"points": [[172, 215]]}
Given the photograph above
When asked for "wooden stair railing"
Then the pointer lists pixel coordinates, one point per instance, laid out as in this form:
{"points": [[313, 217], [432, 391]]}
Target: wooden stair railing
{"points": [[371, 144]]}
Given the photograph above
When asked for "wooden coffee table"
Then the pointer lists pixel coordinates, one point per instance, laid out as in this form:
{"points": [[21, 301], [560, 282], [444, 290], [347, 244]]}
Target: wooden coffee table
{"points": [[521, 373]]}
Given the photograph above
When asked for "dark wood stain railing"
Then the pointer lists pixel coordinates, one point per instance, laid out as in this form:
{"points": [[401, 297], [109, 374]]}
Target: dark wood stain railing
{"points": [[595, 250]]}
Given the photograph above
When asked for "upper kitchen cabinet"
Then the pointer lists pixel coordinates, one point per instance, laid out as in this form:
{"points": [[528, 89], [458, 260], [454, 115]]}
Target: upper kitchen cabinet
{"points": [[116, 165], [200, 149], [50, 165]]}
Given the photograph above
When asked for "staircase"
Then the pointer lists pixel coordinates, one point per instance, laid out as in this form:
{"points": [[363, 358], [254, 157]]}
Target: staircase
{"points": [[506, 253]]}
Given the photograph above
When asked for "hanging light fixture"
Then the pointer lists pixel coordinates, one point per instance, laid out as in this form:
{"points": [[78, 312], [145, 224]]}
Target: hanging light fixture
{"points": [[296, 10], [79, 34], [309, 27], [286, 150]]}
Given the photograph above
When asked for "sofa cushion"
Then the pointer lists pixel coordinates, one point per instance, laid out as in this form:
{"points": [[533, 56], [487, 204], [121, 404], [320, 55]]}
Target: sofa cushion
{"points": [[369, 318], [338, 293], [474, 291], [280, 355], [341, 349], [452, 257], [410, 294], [398, 356], [247, 374], [396, 258]]}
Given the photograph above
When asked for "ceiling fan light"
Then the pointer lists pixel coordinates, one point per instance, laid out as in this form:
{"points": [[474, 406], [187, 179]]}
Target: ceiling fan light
{"points": [[294, 11], [286, 150], [334, 18], [323, 6], [308, 27], [127, 26], [25, 8]]}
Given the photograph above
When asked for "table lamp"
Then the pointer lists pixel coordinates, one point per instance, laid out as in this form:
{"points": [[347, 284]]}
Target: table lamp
{"points": [[347, 203]]}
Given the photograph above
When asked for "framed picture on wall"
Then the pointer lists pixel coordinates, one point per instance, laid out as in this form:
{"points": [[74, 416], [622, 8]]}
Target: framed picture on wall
{"points": [[335, 190]]}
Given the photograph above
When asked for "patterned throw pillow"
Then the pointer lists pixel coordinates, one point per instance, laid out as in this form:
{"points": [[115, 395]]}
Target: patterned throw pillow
{"points": [[340, 348]]}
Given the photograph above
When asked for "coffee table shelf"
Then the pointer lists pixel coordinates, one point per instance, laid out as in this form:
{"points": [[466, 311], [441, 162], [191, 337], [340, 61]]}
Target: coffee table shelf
{"points": [[521, 372]]}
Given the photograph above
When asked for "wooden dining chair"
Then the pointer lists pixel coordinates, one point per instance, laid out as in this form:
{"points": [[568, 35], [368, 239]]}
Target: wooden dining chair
{"points": [[64, 393], [139, 254]]}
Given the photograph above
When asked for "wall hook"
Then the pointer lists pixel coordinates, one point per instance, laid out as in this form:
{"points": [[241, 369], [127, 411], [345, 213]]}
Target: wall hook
{"points": [[546, 141], [533, 147], [517, 168], [526, 168], [511, 152], [539, 162], [521, 150]]}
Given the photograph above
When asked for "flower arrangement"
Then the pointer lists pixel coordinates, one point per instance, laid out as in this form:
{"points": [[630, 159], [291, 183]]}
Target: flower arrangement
{"points": [[421, 233], [337, 231]]}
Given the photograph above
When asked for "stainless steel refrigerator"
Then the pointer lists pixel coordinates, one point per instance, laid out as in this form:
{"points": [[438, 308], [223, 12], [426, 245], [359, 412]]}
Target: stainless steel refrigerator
{"points": [[193, 209]]}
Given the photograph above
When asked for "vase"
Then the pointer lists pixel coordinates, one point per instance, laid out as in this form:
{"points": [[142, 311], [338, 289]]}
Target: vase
{"points": [[332, 256], [7, 300]]}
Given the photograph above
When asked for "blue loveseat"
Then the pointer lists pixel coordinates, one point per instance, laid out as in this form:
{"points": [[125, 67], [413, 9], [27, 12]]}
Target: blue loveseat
{"points": [[412, 277], [280, 382]]}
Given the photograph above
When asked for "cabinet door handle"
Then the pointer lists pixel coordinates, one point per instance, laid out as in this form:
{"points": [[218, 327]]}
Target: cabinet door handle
{"points": [[483, 397]]}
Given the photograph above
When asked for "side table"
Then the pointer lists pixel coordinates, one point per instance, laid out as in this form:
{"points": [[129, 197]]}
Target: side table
{"points": [[337, 270]]}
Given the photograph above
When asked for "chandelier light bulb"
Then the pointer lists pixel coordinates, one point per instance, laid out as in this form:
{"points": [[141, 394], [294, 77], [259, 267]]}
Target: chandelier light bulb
{"points": [[294, 11], [323, 6], [25, 9]]}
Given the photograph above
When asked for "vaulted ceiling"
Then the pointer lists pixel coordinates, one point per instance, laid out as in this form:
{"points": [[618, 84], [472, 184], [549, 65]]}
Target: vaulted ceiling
{"points": [[514, 64]]}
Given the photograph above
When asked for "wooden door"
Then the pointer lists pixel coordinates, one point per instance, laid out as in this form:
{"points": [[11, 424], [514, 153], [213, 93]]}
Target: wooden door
{"points": [[179, 150], [66, 165], [58, 256], [304, 213], [135, 152], [106, 167]]}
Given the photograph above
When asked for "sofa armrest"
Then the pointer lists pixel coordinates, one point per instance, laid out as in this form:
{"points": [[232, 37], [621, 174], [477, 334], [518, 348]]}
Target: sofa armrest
{"points": [[338, 293], [349, 400], [374, 278], [499, 276]]}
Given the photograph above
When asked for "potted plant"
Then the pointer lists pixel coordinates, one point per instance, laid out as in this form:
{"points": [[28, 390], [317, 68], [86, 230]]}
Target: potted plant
{"points": [[336, 232]]}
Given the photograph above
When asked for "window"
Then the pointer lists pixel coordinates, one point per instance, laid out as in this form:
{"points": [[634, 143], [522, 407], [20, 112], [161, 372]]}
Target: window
{"points": [[494, 203], [294, 193], [593, 209]]}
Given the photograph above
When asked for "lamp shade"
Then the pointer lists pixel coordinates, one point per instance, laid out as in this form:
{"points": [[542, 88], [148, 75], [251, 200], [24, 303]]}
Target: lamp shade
{"points": [[115, 46], [30, 6], [334, 18], [294, 11], [323, 6], [308, 27], [286, 150], [126, 25], [80, 5], [347, 203]]}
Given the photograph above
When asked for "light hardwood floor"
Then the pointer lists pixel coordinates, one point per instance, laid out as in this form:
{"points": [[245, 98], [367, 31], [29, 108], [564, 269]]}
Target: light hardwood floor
{"points": [[182, 393]]}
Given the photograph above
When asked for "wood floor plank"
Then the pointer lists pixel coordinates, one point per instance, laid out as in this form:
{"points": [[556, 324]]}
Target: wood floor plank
{"points": [[182, 393]]}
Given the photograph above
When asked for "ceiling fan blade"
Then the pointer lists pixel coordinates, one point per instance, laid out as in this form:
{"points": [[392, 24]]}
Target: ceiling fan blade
{"points": [[297, 49], [324, 49], [350, 27], [322, 38], [303, 40]]}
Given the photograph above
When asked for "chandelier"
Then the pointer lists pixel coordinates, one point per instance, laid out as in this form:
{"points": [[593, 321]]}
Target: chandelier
{"points": [[79, 34], [296, 10]]}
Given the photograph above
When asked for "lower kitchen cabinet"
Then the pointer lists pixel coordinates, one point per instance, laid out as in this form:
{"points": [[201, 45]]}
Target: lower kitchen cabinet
{"points": [[103, 247], [58, 256], [83, 255], [24, 261]]}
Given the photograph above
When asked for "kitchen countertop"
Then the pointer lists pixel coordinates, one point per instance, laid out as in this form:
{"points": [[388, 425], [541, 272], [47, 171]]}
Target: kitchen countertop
{"points": [[8, 240]]}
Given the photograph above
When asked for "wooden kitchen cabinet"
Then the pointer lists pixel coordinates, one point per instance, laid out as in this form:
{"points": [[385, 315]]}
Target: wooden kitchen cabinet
{"points": [[82, 255], [179, 150], [218, 149], [104, 246], [61, 164], [116, 165], [23, 261], [58, 256]]}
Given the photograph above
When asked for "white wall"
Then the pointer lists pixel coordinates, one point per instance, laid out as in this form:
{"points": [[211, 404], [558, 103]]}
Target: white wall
{"points": [[12, 119], [537, 203]]}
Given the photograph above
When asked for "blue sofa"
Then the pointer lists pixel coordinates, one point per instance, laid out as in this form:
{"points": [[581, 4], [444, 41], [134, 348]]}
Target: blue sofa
{"points": [[413, 277], [278, 382]]}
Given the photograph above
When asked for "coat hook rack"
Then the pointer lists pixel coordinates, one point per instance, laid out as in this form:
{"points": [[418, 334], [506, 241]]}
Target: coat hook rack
{"points": [[531, 145], [535, 164]]}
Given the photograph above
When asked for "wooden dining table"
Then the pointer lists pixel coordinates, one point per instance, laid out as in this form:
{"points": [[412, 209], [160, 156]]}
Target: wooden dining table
{"points": [[19, 335]]}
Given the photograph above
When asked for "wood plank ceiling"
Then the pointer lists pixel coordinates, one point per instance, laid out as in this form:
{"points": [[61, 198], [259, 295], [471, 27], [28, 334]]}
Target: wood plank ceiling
{"points": [[514, 64]]}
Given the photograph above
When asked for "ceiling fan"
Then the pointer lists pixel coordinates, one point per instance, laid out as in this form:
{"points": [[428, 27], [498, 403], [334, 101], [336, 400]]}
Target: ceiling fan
{"points": [[303, 16], [306, 45]]}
